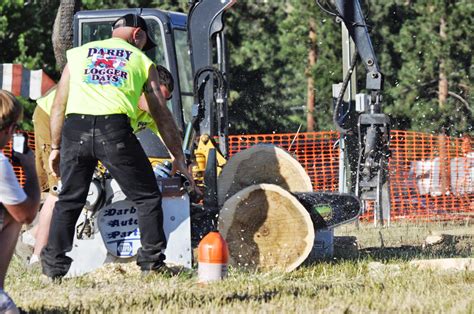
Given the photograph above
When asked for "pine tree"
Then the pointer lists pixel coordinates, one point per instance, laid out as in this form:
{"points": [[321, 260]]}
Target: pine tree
{"points": [[436, 46], [423, 46]]}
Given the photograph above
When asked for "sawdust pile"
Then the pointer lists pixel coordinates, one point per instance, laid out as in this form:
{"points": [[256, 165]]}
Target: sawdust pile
{"points": [[114, 272]]}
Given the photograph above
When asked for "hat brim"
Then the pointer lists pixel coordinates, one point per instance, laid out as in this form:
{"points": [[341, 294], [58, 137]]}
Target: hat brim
{"points": [[150, 44]]}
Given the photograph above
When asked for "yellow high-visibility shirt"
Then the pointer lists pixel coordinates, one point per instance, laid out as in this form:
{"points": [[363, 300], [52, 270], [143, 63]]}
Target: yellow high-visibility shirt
{"points": [[46, 102], [107, 77], [144, 120]]}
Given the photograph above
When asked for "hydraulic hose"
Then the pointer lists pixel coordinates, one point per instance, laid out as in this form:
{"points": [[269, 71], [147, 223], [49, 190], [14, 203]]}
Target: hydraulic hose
{"points": [[341, 94]]}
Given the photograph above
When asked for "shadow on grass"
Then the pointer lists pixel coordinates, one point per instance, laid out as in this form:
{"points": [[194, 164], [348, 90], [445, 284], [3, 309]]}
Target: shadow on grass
{"points": [[410, 252], [346, 249]]}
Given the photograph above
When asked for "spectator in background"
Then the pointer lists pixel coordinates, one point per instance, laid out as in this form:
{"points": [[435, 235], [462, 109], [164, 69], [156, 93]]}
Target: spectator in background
{"points": [[38, 235], [17, 205]]}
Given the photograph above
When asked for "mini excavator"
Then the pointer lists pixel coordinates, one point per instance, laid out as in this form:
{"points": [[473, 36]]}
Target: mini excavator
{"points": [[193, 48]]}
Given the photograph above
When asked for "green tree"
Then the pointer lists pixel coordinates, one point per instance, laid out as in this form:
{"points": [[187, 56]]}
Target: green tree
{"points": [[270, 67], [433, 83], [257, 96], [25, 28], [25, 38], [307, 32], [421, 45]]}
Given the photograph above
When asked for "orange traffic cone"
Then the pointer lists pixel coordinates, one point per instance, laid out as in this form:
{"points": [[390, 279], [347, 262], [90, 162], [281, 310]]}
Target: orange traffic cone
{"points": [[213, 255]]}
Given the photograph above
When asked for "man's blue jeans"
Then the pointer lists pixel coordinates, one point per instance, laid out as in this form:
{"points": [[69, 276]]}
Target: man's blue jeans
{"points": [[85, 140]]}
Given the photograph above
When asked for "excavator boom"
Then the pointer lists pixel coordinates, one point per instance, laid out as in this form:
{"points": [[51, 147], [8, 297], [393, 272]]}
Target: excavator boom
{"points": [[373, 127]]}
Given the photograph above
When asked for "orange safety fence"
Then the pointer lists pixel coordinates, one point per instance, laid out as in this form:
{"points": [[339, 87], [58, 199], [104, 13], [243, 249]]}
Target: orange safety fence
{"points": [[315, 151], [431, 176], [7, 150]]}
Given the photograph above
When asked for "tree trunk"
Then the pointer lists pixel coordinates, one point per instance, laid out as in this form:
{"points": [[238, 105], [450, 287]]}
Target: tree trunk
{"points": [[444, 163], [262, 164], [266, 228], [62, 31], [312, 56], [443, 80]]}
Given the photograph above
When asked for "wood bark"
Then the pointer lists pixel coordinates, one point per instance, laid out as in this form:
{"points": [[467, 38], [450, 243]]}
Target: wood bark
{"points": [[266, 228], [444, 163], [443, 79], [62, 36], [312, 56], [262, 164]]}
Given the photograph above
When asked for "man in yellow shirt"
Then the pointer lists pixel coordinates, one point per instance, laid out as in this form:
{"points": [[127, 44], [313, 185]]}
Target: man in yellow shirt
{"points": [[48, 182], [144, 119], [90, 121]]}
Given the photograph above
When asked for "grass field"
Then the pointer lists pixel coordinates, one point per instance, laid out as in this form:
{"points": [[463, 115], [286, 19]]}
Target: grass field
{"points": [[358, 283]]}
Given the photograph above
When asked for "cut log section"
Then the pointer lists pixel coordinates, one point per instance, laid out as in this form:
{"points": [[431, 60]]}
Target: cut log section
{"points": [[266, 228], [262, 163]]}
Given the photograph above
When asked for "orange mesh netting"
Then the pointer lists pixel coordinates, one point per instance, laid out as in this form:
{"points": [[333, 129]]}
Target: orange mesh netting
{"points": [[431, 176], [7, 150], [315, 151]]}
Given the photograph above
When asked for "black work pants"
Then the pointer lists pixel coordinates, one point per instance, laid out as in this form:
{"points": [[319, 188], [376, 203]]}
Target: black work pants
{"points": [[85, 140]]}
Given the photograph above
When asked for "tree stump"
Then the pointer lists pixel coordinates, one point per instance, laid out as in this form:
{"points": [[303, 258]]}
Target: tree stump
{"points": [[262, 163], [266, 228]]}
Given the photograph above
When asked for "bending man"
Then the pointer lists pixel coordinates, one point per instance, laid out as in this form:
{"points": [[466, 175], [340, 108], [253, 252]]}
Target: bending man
{"points": [[98, 91]]}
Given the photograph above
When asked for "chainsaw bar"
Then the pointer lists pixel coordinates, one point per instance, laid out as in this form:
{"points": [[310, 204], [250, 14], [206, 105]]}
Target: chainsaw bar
{"points": [[330, 209]]}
